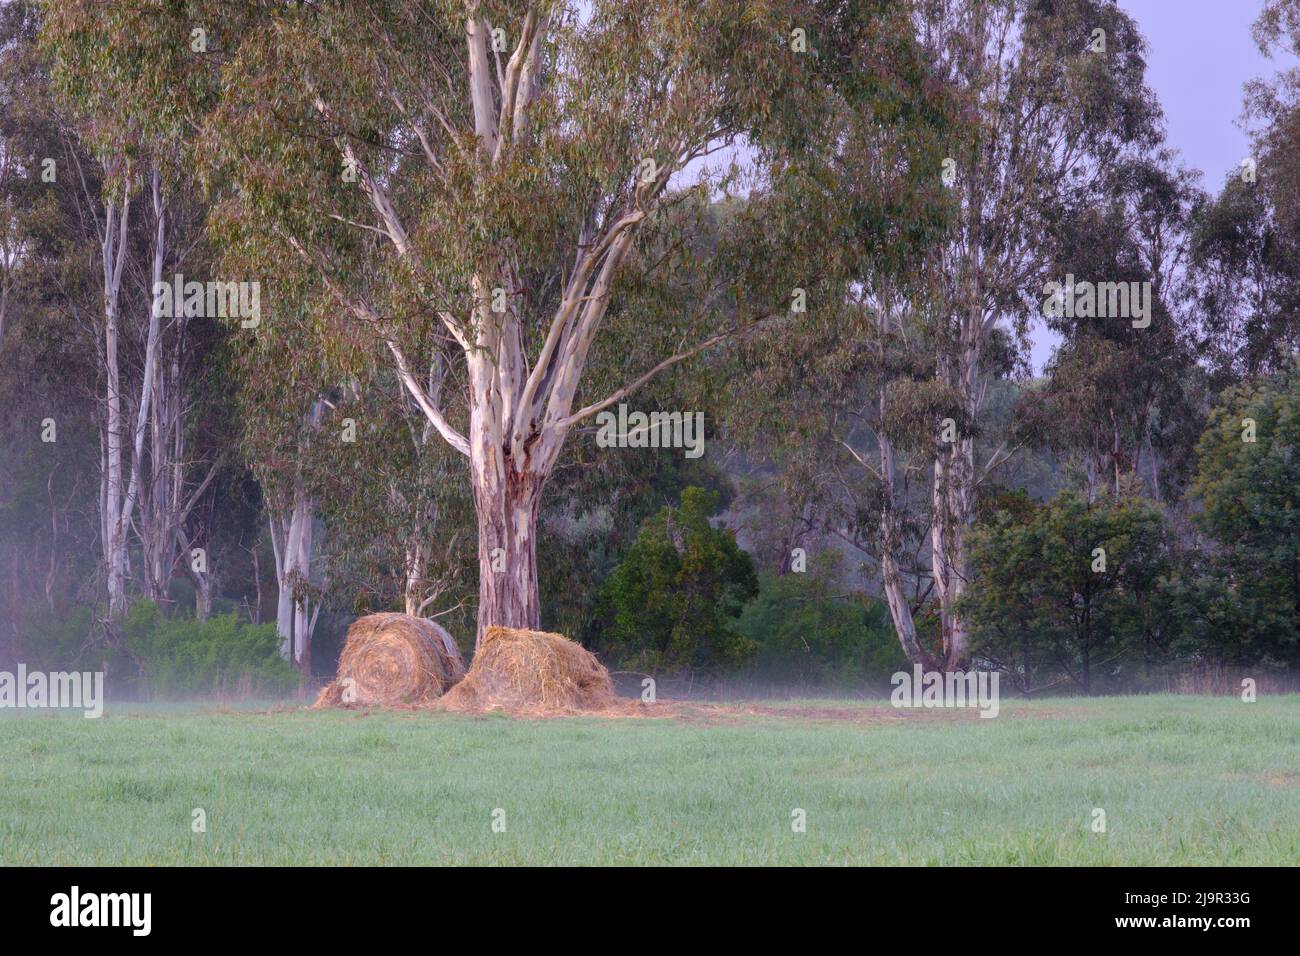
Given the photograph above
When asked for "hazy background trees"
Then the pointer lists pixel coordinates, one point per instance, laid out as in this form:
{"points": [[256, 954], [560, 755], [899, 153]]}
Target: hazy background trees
{"points": [[839, 258]]}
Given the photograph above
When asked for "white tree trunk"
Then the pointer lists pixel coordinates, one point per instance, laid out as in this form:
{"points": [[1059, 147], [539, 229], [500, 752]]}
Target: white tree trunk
{"points": [[112, 526], [291, 537], [111, 484], [122, 481], [299, 571], [284, 596], [291, 542]]}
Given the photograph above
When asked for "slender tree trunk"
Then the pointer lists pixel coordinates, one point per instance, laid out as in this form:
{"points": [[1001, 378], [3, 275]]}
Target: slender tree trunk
{"points": [[414, 575], [257, 584], [900, 609], [284, 595], [419, 592], [121, 486], [291, 540], [957, 558], [300, 549], [113, 527], [50, 577], [160, 505], [202, 580], [202, 596], [952, 498]]}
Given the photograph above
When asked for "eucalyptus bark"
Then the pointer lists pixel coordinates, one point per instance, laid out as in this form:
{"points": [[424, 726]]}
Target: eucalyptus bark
{"points": [[507, 549], [291, 542], [113, 241]]}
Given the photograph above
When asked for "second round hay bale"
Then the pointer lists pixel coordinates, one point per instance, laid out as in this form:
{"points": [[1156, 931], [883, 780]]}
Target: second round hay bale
{"points": [[394, 659], [532, 671]]}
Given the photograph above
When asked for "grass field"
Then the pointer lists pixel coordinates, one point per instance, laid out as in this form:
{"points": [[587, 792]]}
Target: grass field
{"points": [[1182, 780]]}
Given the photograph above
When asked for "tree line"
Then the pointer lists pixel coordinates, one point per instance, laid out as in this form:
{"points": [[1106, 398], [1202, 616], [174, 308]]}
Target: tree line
{"points": [[317, 308]]}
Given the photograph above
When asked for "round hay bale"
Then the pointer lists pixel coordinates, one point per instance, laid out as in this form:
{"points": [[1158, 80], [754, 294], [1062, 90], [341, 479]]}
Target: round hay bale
{"points": [[391, 659], [532, 671]]}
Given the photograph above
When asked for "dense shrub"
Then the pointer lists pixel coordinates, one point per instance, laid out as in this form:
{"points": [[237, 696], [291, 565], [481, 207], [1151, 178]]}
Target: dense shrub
{"points": [[807, 632], [672, 602], [1250, 493], [1074, 587]]}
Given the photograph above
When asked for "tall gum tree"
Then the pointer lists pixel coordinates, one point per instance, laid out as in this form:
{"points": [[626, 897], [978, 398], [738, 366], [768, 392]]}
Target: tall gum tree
{"points": [[1058, 95], [926, 320], [472, 178], [123, 89]]}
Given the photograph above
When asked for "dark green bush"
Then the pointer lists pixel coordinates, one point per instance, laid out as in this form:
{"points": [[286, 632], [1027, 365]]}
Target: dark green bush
{"points": [[673, 600], [1075, 587], [808, 633], [1249, 492]]}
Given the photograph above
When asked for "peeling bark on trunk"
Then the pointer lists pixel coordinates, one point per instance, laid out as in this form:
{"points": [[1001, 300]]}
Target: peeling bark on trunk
{"points": [[291, 539], [507, 528]]}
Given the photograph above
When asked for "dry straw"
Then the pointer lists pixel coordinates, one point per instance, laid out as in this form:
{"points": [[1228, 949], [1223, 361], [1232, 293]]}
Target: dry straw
{"points": [[394, 659], [532, 672]]}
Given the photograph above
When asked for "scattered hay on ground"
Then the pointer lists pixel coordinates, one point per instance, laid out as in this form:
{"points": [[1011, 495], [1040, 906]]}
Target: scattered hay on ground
{"points": [[394, 660], [407, 663], [741, 712], [534, 673]]}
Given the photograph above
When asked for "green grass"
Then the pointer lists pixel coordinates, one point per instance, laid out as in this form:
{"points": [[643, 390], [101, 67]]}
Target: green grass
{"points": [[1182, 780]]}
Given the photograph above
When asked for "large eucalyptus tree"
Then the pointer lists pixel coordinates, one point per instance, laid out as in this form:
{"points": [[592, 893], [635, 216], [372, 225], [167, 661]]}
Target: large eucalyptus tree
{"points": [[470, 180]]}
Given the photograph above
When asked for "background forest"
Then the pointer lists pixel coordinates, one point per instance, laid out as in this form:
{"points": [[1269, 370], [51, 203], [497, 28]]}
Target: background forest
{"points": [[832, 228]]}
